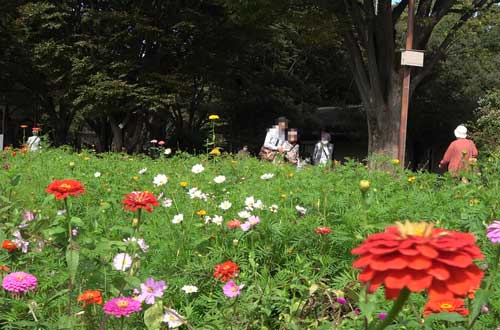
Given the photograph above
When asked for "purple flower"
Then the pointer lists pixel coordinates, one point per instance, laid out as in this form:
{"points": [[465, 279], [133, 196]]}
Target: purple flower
{"points": [[356, 311], [151, 290], [494, 232], [341, 300], [254, 220], [19, 282], [142, 244], [232, 290], [20, 242], [246, 226], [28, 216], [74, 231], [382, 315], [6, 166], [485, 309]]}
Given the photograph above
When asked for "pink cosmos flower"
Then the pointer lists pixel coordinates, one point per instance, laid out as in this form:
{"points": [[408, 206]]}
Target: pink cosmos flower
{"points": [[150, 290], [19, 282], [494, 232], [232, 290], [122, 306]]}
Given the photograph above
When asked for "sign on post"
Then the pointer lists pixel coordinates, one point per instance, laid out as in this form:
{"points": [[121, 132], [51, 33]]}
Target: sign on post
{"points": [[1, 142], [412, 58]]}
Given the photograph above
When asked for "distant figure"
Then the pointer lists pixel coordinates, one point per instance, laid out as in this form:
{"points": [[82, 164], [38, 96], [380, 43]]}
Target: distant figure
{"points": [[275, 138], [243, 152], [459, 153], [291, 147], [323, 150], [34, 140]]}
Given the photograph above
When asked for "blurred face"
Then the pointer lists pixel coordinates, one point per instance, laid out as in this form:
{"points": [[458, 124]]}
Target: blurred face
{"points": [[282, 125], [292, 136]]}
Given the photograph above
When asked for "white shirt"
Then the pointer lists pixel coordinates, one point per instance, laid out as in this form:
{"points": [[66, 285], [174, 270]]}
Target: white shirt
{"points": [[274, 138], [33, 143], [325, 156]]}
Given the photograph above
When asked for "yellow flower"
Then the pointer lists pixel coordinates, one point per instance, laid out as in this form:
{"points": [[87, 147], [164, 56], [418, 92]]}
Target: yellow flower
{"points": [[473, 201], [71, 164], [184, 184], [136, 178], [290, 175], [135, 222], [412, 179], [87, 158], [395, 161], [215, 151], [364, 185], [283, 195], [201, 213], [213, 117]]}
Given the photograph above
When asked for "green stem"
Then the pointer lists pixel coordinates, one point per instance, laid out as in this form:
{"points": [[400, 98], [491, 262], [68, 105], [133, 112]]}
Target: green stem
{"points": [[396, 308]]}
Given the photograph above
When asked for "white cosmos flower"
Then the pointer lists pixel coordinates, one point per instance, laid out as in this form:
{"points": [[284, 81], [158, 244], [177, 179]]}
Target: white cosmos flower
{"points": [[160, 180], [171, 317], [97, 174], [249, 202], [189, 288], [167, 202], [167, 151], [273, 208], [198, 168], [217, 219], [122, 261], [219, 179], [301, 210], [258, 205], [208, 219], [225, 205], [196, 193], [266, 176], [244, 214], [142, 171], [178, 218]]}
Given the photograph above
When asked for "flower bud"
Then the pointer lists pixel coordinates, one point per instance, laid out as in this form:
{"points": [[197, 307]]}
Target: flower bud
{"points": [[364, 185]]}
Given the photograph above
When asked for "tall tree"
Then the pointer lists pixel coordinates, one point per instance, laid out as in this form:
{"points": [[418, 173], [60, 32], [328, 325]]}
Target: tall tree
{"points": [[372, 38]]}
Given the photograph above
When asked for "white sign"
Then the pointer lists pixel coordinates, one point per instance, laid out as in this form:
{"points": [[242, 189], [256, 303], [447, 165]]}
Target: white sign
{"points": [[412, 58], [1, 142]]}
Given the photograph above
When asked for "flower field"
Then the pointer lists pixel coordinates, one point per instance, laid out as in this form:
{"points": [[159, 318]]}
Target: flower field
{"points": [[114, 241]]}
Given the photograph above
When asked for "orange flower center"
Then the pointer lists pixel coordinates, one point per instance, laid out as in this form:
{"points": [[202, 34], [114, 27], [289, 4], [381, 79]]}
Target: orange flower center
{"points": [[446, 306], [234, 289], [20, 277], [422, 229], [65, 186], [122, 303], [150, 289]]}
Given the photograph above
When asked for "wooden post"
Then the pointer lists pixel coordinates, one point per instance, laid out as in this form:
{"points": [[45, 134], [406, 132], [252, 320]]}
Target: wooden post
{"points": [[406, 86]]}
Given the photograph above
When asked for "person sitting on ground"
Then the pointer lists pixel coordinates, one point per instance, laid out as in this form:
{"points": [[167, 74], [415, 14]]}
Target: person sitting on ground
{"points": [[243, 152], [323, 150], [275, 138], [459, 152], [291, 147]]}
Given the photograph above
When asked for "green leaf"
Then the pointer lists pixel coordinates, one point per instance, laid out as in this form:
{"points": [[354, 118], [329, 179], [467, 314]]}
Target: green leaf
{"points": [[72, 259], [153, 316], [76, 221], [15, 180], [53, 231], [133, 281], [481, 296], [66, 322], [444, 316]]}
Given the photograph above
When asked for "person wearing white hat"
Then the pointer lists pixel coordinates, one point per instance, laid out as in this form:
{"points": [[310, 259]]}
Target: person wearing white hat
{"points": [[459, 152]]}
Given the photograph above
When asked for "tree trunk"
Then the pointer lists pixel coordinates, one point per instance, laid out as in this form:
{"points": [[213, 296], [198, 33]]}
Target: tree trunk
{"points": [[117, 143]]}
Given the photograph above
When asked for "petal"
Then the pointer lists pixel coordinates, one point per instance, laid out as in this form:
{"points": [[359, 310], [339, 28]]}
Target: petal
{"points": [[459, 283], [438, 290], [461, 260], [419, 262], [382, 250], [388, 262], [427, 250], [391, 294], [397, 279], [439, 271], [366, 275], [408, 252], [419, 282], [363, 261]]}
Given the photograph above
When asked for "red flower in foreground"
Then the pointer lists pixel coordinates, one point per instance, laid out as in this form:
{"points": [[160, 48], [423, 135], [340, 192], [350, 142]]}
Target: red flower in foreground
{"points": [[420, 257], [233, 224], [226, 271], [139, 200], [4, 268], [449, 305], [90, 297], [9, 245], [323, 230], [64, 188]]}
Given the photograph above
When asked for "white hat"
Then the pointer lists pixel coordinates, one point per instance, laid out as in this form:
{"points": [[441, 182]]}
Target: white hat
{"points": [[461, 132]]}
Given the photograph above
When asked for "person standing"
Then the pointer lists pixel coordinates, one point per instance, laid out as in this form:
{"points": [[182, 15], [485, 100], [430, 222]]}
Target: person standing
{"points": [[34, 140], [459, 152], [275, 139], [323, 150]]}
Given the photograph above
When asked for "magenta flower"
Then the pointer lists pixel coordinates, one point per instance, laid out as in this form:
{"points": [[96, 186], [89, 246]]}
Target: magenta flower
{"points": [[494, 232], [382, 316], [19, 282], [122, 306], [232, 290], [341, 300], [151, 290]]}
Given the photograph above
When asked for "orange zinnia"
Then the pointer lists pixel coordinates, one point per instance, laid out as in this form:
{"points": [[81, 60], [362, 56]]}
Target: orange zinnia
{"points": [[323, 230], [64, 188], [139, 200], [4, 268], [9, 245], [90, 297], [420, 257], [450, 305], [226, 271]]}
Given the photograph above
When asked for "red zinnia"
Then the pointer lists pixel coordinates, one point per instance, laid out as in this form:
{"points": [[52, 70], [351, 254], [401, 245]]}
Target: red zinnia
{"points": [[420, 257], [449, 305], [90, 297], [64, 188], [9, 245], [323, 230], [233, 224], [4, 268], [226, 271], [139, 200]]}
